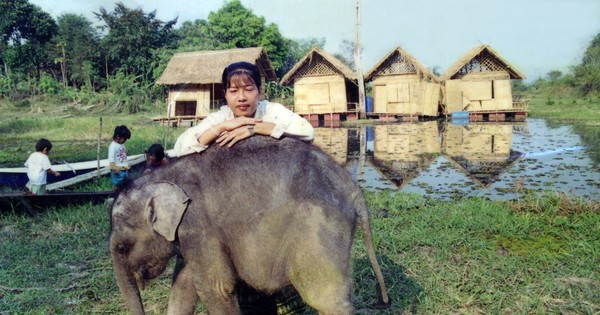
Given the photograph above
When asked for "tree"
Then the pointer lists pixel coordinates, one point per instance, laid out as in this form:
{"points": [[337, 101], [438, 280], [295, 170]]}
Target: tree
{"points": [[76, 43], [347, 53], [193, 36], [237, 27], [436, 70], [299, 48], [554, 75], [133, 38], [25, 33], [588, 71]]}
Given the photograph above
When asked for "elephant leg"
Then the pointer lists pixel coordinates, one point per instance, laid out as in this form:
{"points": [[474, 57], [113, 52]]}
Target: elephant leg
{"points": [[322, 278], [219, 297], [329, 298], [214, 278], [183, 297]]}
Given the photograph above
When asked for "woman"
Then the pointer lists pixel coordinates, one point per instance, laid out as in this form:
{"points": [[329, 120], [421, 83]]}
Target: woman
{"points": [[244, 115]]}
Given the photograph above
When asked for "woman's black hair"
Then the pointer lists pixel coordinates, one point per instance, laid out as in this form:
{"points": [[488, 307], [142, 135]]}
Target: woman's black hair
{"points": [[241, 67], [42, 144], [122, 131], [157, 150]]}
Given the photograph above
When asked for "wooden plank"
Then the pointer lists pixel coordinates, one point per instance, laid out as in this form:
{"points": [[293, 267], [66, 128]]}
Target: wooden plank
{"points": [[77, 179], [136, 159]]}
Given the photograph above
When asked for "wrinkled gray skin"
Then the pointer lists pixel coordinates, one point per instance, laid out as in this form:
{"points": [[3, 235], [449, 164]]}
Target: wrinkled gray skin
{"points": [[268, 212]]}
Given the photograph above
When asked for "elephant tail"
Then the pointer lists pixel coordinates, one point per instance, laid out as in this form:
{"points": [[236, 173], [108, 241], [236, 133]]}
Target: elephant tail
{"points": [[365, 224]]}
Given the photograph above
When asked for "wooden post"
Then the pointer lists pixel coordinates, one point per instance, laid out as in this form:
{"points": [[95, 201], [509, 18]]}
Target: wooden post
{"points": [[359, 74], [98, 149]]}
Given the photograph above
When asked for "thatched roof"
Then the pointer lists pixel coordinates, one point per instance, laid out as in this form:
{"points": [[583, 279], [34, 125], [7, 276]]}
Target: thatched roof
{"points": [[385, 67], [319, 55], [481, 59], [206, 67]]}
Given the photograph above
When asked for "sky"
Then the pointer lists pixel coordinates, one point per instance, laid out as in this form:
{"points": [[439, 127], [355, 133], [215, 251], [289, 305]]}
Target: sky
{"points": [[534, 36]]}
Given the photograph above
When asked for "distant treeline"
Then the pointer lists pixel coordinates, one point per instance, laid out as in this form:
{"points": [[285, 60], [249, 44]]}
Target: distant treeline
{"points": [[580, 80], [127, 53], [124, 56]]}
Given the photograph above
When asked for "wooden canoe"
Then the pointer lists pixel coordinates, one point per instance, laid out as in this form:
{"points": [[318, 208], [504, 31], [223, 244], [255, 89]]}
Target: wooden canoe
{"points": [[16, 177]]}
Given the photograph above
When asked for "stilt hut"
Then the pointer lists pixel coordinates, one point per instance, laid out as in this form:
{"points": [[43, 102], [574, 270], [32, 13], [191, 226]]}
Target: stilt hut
{"points": [[194, 80], [403, 87], [324, 87], [480, 83]]}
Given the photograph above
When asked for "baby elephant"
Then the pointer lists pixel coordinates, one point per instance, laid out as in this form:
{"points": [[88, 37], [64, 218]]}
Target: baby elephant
{"points": [[271, 213]]}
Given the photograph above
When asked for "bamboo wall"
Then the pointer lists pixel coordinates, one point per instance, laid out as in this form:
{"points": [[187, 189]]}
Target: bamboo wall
{"points": [[198, 93], [320, 95], [406, 95], [487, 92]]}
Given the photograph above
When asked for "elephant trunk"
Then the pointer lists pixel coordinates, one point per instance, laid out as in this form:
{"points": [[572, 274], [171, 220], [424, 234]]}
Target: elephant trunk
{"points": [[129, 289]]}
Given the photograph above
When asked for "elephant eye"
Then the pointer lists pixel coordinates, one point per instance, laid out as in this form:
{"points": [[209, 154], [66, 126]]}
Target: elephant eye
{"points": [[121, 249]]}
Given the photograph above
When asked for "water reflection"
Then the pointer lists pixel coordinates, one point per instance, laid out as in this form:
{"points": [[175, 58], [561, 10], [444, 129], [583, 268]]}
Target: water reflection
{"points": [[333, 141], [482, 151], [495, 160], [402, 151]]}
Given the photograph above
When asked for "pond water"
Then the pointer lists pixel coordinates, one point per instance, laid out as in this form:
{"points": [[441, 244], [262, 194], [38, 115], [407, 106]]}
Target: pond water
{"points": [[500, 161]]}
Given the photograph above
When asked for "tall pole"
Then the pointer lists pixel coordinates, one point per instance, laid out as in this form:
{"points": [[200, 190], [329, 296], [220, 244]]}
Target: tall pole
{"points": [[98, 149], [359, 74]]}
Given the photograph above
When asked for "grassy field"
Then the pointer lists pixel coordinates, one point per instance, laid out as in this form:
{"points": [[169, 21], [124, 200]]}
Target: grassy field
{"points": [[540, 255], [74, 131], [583, 111]]}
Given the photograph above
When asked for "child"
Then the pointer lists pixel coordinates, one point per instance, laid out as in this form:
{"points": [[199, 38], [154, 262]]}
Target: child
{"points": [[155, 157], [38, 165], [117, 156]]}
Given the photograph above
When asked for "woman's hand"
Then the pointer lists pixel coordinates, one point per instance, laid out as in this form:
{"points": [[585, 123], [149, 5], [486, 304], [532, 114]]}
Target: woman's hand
{"points": [[233, 124], [230, 138], [229, 132]]}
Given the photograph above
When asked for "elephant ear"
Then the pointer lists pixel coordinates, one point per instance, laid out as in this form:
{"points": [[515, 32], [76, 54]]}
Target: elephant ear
{"points": [[165, 207]]}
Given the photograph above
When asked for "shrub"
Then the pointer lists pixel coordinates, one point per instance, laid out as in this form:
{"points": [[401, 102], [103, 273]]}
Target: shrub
{"points": [[49, 85], [277, 92], [6, 85], [23, 103], [126, 93]]}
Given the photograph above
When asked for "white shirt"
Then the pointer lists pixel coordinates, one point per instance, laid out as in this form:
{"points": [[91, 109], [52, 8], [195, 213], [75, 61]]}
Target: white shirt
{"points": [[37, 165], [286, 123], [117, 154]]}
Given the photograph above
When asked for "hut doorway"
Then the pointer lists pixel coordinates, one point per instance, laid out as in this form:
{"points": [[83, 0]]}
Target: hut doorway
{"points": [[217, 97], [185, 108]]}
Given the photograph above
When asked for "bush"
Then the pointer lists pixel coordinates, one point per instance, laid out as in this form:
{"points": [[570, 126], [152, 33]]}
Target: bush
{"points": [[23, 103], [278, 93], [49, 85], [126, 93], [6, 86]]}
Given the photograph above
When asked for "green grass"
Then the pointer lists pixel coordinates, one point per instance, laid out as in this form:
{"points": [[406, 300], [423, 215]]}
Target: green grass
{"points": [[583, 111], [537, 256], [75, 138]]}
